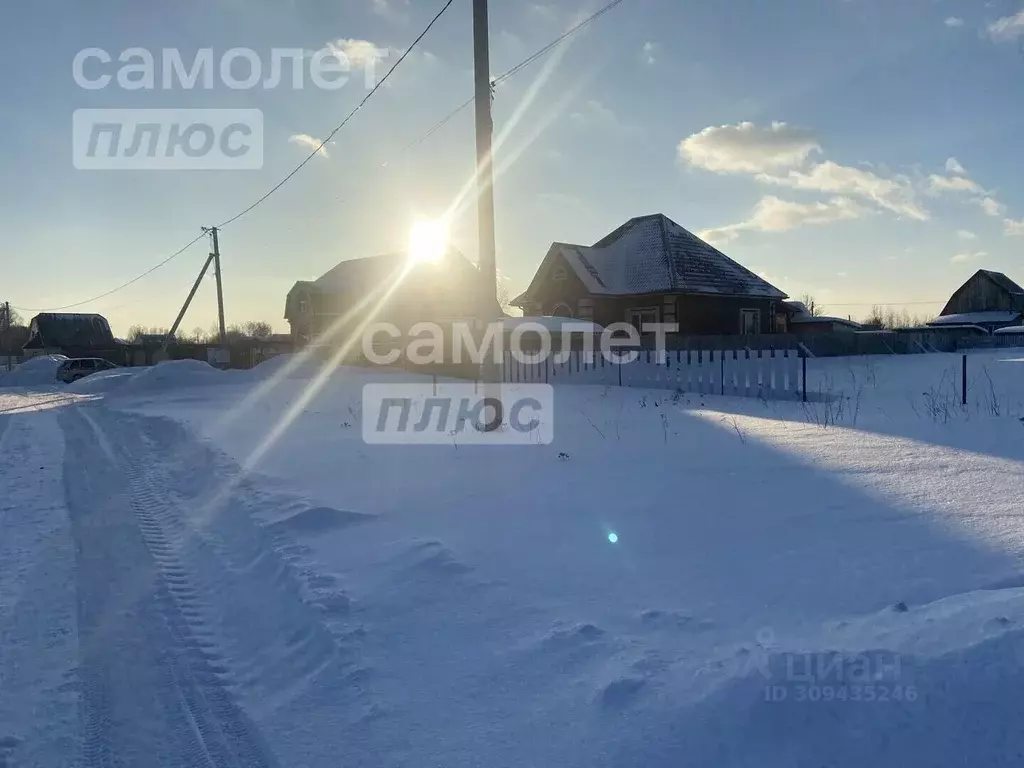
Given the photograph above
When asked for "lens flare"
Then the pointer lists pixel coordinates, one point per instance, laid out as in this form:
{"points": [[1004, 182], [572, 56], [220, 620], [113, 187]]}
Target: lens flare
{"points": [[613, 537], [428, 241]]}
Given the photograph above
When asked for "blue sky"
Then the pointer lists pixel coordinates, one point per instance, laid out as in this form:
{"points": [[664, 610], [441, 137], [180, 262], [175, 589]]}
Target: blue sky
{"points": [[866, 151]]}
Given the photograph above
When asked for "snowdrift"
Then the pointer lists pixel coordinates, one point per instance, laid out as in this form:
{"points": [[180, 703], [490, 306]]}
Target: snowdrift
{"points": [[935, 685], [104, 381], [37, 372], [173, 374]]}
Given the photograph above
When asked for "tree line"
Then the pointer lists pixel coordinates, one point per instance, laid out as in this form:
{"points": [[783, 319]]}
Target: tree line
{"points": [[251, 329]]}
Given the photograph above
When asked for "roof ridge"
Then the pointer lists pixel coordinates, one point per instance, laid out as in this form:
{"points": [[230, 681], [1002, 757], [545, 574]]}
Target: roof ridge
{"points": [[662, 219]]}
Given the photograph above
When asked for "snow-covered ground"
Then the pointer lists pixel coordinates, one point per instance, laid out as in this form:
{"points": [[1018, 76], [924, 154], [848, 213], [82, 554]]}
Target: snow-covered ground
{"points": [[675, 580]]}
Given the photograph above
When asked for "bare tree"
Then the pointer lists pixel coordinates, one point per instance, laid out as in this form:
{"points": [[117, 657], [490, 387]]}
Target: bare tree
{"points": [[258, 329], [13, 319], [813, 307], [503, 301], [889, 318], [137, 332], [197, 336], [13, 335]]}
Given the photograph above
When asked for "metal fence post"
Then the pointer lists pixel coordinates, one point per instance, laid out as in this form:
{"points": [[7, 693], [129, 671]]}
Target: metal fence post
{"points": [[963, 381]]}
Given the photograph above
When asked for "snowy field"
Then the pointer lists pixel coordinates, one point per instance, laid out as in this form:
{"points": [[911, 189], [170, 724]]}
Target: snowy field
{"points": [[189, 578]]}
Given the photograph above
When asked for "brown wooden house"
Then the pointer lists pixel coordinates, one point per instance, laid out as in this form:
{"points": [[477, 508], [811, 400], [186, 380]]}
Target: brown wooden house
{"points": [[652, 270], [387, 289], [988, 299]]}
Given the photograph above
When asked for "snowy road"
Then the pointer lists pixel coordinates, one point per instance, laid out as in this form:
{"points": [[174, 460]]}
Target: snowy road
{"points": [[103, 623], [151, 687]]}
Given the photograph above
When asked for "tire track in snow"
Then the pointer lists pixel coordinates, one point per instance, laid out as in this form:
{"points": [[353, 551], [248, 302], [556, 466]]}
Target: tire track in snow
{"points": [[153, 693]]}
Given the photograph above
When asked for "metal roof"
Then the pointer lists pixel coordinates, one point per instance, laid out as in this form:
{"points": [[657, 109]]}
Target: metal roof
{"points": [[1003, 281], [653, 254], [977, 318]]}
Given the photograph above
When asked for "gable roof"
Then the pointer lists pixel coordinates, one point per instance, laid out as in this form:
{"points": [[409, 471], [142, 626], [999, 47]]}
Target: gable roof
{"points": [[452, 282], [70, 330], [1003, 282], [362, 274], [653, 254]]}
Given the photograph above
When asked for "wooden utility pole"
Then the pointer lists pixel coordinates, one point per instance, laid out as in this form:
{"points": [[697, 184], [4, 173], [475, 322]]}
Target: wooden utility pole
{"points": [[484, 160], [489, 370], [220, 288], [184, 308], [5, 326], [214, 258]]}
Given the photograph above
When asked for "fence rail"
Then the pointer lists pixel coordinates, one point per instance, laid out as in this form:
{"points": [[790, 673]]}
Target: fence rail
{"points": [[769, 374], [995, 341]]}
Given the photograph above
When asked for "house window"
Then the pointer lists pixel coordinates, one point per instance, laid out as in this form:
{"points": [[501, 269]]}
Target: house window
{"points": [[558, 273], [750, 321], [640, 316], [561, 310]]}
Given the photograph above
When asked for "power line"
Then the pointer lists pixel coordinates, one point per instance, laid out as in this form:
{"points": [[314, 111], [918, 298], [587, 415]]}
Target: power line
{"points": [[134, 280], [341, 125], [886, 304], [554, 43], [514, 71], [274, 189]]}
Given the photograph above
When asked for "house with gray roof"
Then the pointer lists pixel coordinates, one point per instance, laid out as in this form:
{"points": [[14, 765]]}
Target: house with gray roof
{"points": [[651, 270], [73, 335]]}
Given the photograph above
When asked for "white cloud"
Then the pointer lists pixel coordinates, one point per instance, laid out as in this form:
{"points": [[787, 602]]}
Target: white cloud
{"points": [[1008, 28], [954, 21], [961, 258], [310, 143], [953, 166], [361, 54], [966, 234], [991, 206], [1013, 228], [747, 148], [649, 50], [940, 184], [773, 214], [895, 194]]}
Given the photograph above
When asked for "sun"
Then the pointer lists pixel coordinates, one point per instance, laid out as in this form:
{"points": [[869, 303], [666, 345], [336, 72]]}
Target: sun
{"points": [[428, 241]]}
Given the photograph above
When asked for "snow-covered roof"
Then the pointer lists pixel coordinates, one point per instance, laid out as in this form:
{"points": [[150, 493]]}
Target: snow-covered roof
{"points": [[552, 324], [653, 254], [977, 318], [70, 330], [825, 319], [1010, 329]]}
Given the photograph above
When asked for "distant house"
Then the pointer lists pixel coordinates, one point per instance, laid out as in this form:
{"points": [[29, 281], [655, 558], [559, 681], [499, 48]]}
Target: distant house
{"points": [[74, 335], [386, 288], [988, 299], [651, 270], [801, 321]]}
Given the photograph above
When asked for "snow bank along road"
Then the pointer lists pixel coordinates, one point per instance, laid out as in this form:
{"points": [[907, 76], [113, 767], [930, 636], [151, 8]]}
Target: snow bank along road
{"points": [[159, 608]]}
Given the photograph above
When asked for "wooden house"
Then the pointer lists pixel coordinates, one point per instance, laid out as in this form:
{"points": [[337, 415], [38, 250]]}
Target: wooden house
{"points": [[651, 270]]}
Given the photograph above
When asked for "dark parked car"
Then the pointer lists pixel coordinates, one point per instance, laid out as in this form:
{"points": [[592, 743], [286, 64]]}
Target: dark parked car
{"points": [[78, 368]]}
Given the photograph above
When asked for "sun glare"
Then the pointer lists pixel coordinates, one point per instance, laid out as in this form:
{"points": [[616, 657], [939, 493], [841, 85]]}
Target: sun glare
{"points": [[428, 241]]}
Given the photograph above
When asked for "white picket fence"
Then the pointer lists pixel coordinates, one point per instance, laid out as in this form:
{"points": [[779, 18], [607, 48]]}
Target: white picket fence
{"points": [[771, 374]]}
